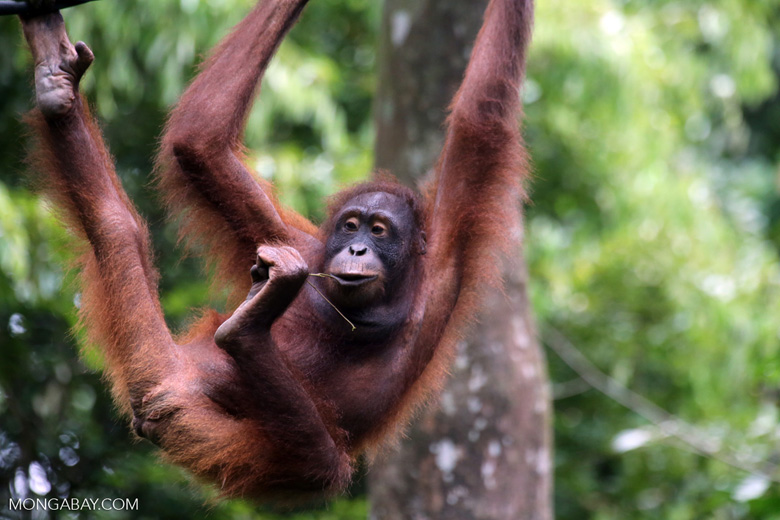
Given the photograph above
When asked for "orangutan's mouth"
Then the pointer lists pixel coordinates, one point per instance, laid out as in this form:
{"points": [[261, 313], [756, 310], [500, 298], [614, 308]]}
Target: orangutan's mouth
{"points": [[354, 279]]}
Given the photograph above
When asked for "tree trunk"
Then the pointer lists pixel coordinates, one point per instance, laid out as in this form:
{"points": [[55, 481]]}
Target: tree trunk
{"points": [[484, 452]]}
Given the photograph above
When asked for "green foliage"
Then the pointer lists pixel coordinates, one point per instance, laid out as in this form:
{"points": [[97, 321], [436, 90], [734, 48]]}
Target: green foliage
{"points": [[649, 249]]}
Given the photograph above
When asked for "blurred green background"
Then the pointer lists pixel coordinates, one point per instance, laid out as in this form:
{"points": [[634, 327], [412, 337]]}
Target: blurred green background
{"points": [[652, 243]]}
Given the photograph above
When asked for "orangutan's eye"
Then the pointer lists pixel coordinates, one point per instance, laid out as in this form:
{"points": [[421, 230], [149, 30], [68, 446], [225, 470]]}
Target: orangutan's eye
{"points": [[379, 230], [351, 224]]}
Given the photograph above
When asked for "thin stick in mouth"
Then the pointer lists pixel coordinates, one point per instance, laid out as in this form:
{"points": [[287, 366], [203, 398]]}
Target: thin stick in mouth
{"points": [[326, 275]]}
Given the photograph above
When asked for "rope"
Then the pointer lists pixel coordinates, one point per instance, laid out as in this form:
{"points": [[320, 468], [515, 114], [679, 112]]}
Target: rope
{"points": [[8, 7]]}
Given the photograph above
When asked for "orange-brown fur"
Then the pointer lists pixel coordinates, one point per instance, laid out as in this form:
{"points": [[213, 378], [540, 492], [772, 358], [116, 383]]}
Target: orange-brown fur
{"points": [[289, 416]]}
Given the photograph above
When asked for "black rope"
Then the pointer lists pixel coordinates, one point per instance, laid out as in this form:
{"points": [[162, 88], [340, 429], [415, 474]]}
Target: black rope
{"points": [[21, 7]]}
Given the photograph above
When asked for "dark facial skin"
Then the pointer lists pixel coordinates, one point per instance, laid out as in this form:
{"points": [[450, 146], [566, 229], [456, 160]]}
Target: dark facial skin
{"points": [[368, 249]]}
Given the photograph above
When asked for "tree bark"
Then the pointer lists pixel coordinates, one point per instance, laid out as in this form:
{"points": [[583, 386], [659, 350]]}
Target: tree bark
{"points": [[484, 452]]}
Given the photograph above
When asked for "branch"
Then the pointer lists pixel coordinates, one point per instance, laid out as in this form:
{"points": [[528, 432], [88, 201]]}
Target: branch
{"points": [[667, 423]]}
